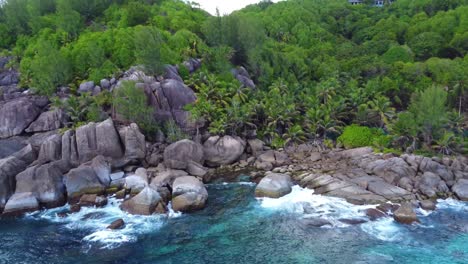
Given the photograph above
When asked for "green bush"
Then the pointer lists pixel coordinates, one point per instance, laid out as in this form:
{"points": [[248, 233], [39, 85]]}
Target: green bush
{"points": [[130, 103], [355, 136]]}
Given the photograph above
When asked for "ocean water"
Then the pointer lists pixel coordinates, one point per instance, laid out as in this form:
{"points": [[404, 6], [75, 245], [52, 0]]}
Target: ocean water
{"points": [[235, 227]]}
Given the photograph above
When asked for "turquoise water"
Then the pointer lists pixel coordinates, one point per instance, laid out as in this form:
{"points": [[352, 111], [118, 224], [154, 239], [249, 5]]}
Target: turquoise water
{"points": [[237, 228]]}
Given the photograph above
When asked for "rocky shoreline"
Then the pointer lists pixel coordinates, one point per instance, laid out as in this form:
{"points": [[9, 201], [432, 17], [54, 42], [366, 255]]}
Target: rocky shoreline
{"points": [[85, 166], [42, 166]]}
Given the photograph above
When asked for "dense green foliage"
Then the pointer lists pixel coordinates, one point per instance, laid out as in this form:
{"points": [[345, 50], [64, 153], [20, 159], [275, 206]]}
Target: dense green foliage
{"points": [[130, 104], [319, 65]]}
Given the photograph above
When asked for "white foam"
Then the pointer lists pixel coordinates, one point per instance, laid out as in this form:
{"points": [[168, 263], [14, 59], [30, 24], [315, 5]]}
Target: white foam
{"points": [[452, 204], [385, 229], [96, 226], [305, 202]]}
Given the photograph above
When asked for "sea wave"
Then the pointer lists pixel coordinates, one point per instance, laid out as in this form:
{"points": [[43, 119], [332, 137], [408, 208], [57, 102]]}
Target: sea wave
{"points": [[94, 222]]}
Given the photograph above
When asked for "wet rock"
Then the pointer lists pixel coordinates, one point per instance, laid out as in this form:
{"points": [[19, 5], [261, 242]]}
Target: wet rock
{"points": [[375, 214], [21, 203], [167, 178], [135, 183], [188, 194], [44, 182], [9, 168], [117, 224], [461, 189], [316, 222], [86, 179], [93, 200], [179, 154], [353, 221], [75, 208], [428, 205], [405, 214], [274, 185], [144, 203], [223, 150]]}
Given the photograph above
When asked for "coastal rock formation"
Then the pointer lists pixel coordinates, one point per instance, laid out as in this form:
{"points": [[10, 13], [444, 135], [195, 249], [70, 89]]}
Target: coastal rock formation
{"points": [[21, 203], [223, 150], [147, 202], [17, 114], [167, 178], [44, 182], [461, 189], [243, 77], [89, 178], [188, 194], [179, 154], [274, 185], [9, 168], [405, 214], [133, 141], [48, 121]]}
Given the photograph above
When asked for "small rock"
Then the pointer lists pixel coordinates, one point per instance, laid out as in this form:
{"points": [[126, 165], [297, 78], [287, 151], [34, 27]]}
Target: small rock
{"points": [[428, 205], [117, 224], [405, 214], [375, 214], [75, 208]]}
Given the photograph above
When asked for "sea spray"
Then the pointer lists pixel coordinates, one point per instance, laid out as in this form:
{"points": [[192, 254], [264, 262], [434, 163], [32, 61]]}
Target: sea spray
{"points": [[94, 222]]}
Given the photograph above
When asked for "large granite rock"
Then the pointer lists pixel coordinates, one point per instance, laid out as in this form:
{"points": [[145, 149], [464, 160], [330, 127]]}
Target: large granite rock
{"points": [[461, 189], [90, 141], [50, 149], [21, 203], [223, 150], [11, 145], [147, 202], [134, 142], [47, 121], [429, 165], [188, 194], [274, 185], [405, 214], [391, 170], [9, 168], [17, 114], [428, 184], [169, 99], [167, 178], [89, 178], [270, 159], [44, 182], [179, 154]]}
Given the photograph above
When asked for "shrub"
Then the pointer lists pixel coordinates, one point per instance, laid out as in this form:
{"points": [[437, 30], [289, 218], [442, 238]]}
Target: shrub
{"points": [[174, 132], [131, 103], [355, 136]]}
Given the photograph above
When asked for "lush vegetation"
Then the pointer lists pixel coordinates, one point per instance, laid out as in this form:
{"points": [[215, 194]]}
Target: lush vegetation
{"points": [[320, 65]]}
